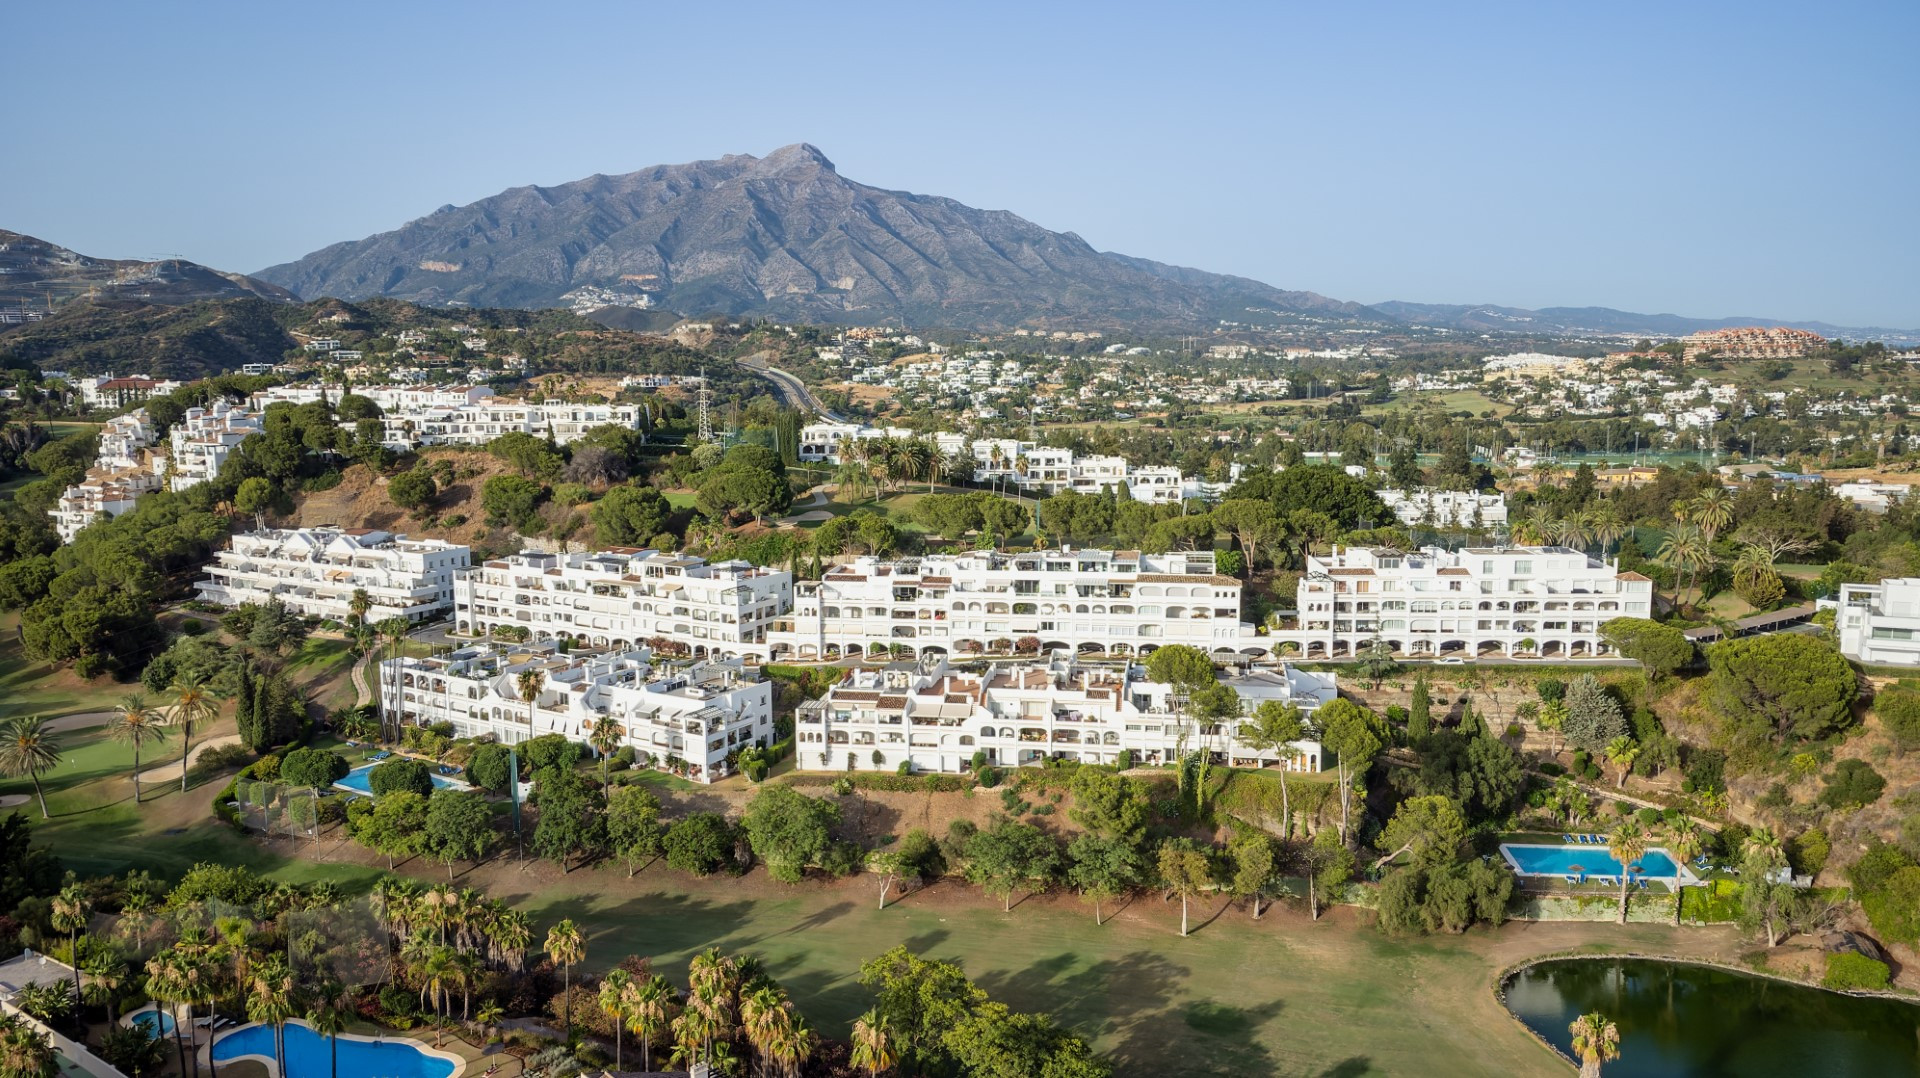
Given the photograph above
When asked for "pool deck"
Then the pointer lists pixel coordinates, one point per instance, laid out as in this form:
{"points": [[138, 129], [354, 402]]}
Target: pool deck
{"points": [[1687, 877]]}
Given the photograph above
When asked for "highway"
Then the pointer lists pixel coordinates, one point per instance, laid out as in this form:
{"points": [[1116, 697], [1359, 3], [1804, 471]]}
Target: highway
{"points": [[791, 389]]}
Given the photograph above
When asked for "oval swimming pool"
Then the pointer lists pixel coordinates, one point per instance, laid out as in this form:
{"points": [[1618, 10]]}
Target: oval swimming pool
{"points": [[310, 1056], [1683, 1021], [359, 782], [156, 1022]]}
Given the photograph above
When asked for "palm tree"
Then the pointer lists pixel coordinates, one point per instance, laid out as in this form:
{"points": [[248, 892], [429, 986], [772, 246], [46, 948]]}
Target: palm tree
{"points": [[566, 946], [489, 1016], [606, 738], [24, 1052], [509, 935], [332, 1006], [1712, 510], [851, 480], [436, 969], [271, 1001], [1627, 844], [654, 1006], [1595, 1041], [1685, 550], [192, 702], [106, 976], [762, 1015], [358, 605], [394, 631], [616, 991], [1604, 524], [872, 1047], [1621, 752], [69, 912], [529, 682], [28, 748], [136, 724], [1684, 844], [167, 983]]}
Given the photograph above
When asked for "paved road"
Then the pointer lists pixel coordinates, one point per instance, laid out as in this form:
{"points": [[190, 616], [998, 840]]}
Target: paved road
{"points": [[791, 389]]}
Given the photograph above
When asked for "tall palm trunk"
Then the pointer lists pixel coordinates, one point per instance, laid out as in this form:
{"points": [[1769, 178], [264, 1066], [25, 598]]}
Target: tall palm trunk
{"points": [[186, 746], [42, 794]]}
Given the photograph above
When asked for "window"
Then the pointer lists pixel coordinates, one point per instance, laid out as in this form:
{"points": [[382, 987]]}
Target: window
{"points": [[1892, 634], [1523, 567]]}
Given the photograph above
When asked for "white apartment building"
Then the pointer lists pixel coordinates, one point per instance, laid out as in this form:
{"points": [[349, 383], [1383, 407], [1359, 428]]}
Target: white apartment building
{"points": [[115, 391], [1431, 508], [201, 442], [102, 492], [417, 415], [125, 467], [1880, 623], [699, 713], [1024, 715], [124, 440], [626, 597], [1081, 601], [1026, 466], [315, 572], [1546, 601]]}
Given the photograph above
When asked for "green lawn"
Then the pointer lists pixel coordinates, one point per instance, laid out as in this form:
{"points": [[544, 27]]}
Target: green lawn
{"points": [[1282, 995], [29, 687], [681, 499]]}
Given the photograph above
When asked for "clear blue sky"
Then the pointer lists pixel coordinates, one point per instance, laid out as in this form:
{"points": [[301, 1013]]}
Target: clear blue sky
{"points": [[1707, 159]]}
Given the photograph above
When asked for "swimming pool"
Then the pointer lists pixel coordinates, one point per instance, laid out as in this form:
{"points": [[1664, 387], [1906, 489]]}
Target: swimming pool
{"points": [[147, 1017], [358, 781], [1589, 861], [310, 1056]]}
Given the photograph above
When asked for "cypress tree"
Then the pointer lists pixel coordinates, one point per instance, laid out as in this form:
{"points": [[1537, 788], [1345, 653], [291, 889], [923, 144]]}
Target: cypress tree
{"points": [[246, 713], [1469, 722], [1420, 715]]}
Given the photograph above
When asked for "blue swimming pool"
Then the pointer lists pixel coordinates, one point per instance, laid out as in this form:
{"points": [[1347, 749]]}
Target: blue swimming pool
{"points": [[156, 1022], [309, 1055], [358, 781], [1589, 861]]}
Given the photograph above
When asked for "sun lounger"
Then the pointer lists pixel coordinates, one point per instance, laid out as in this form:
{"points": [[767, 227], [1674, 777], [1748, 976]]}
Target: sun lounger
{"points": [[1569, 838], [1571, 879]]}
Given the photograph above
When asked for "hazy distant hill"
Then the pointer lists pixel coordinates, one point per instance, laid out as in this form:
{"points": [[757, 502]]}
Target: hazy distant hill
{"points": [[786, 236], [32, 271], [1487, 318]]}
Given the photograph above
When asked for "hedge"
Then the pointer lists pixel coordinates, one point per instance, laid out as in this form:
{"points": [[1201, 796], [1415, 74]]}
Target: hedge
{"points": [[1847, 971]]}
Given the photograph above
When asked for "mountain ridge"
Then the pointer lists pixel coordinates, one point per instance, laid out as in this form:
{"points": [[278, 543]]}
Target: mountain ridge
{"points": [[34, 271], [783, 235]]}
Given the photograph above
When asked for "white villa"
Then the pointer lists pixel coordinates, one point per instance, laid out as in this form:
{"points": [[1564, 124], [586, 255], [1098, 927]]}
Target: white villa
{"points": [[1019, 716], [1082, 601], [625, 597], [1547, 601], [1880, 623], [700, 712], [315, 572]]}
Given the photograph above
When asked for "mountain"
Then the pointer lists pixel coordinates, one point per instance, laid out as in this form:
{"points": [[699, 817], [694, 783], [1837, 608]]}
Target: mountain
{"points": [[32, 271], [784, 236], [188, 340], [1488, 318]]}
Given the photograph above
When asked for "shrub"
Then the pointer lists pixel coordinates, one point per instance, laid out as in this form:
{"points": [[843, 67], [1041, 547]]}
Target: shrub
{"points": [[905, 768], [1809, 851], [1853, 784], [1847, 971], [1124, 761]]}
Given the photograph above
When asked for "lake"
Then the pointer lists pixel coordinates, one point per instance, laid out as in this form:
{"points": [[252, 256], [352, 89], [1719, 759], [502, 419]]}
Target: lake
{"points": [[1682, 1021]]}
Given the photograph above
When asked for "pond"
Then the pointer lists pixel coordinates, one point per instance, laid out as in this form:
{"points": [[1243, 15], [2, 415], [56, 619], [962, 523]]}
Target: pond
{"points": [[1700, 1022]]}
